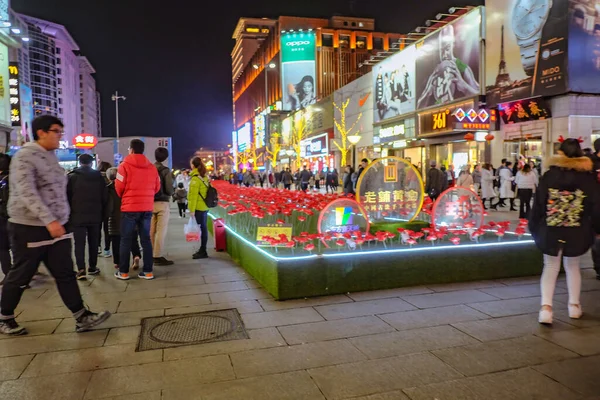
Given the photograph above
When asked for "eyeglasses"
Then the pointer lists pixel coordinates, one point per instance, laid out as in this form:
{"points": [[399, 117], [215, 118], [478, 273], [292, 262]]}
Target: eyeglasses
{"points": [[57, 131]]}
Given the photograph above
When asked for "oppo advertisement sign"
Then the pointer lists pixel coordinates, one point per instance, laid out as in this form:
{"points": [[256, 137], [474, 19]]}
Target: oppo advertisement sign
{"points": [[298, 70]]}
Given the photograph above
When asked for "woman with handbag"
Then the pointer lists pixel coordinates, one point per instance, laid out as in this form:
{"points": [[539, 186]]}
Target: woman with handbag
{"points": [[506, 187], [199, 184]]}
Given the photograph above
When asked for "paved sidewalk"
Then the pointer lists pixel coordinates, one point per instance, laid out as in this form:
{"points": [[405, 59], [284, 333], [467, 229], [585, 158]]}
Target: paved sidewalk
{"points": [[467, 341]]}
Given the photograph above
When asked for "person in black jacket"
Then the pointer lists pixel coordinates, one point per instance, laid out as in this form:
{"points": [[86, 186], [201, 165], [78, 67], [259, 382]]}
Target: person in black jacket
{"points": [[5, 259], [436, 182], [564, 220], [596, 246], [86, 191], [348, 184]]}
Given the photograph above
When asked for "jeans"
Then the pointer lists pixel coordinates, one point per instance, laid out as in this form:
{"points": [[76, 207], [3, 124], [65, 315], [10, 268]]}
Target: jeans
{"points": [[5, 260], [130, 221], [525, 200], [92, 233], [551, 270], [116, 246], [159, 226], [56, 257], [201, 221]]}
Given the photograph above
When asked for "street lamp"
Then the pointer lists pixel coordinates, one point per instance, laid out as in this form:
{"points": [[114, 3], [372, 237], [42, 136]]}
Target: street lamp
{"points": [[116, 98], [354, 139]]}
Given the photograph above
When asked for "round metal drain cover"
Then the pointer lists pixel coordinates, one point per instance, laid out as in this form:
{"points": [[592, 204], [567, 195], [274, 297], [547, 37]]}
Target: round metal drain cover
{"points": [[192, 329]]}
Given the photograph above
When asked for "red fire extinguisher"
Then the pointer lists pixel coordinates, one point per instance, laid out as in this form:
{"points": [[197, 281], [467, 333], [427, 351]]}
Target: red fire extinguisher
{"points": [[220, 235]]}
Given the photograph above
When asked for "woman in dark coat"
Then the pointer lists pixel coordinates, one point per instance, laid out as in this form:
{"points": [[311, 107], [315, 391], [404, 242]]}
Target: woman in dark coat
{"points": [[564, 220]]}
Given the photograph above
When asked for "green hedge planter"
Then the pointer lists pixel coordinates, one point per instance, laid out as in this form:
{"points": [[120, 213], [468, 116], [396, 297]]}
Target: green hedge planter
{"points": [[335, 273]]}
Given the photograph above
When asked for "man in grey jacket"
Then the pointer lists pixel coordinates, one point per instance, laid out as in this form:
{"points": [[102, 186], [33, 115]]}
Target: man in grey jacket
{"points": [[38, 211]]}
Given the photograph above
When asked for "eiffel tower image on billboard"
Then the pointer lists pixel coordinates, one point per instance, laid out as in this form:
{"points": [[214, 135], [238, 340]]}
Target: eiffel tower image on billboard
{"points": [[503, 79]]}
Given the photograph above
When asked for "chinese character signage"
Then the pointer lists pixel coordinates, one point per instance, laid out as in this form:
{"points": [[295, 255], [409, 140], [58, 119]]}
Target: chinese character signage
{"points": [[298, 70], [458, 208], [524, 110], [390, 188], [316, 146], [394, 85], [526, 48], [14, 94], [448, 62], [343, 216], [275, 231], [460, 117], [85, 141]]}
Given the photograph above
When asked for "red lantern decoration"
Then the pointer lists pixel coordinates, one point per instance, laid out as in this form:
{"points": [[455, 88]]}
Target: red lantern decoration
{"points": [[489, 137], [469, 137]]}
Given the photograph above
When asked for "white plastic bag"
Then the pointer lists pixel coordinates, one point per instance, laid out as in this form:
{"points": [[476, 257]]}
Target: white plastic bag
{"points": [[191, 231]]}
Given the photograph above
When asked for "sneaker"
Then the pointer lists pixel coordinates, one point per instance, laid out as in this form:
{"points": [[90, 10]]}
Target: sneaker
{"points": [[136, 263], [575, 311], [10, 327], [99, 250], [545, 317], [122, 276], [200, 255], [106, 254], [94, 271], [162, 261], [81, 276], [146, 275], [89, 320]]}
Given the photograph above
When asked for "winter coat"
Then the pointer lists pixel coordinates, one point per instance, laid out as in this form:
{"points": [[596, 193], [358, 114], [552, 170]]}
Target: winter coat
{"points": [[487, 184], [86, 191], [465, 180], [526, 181], [197, 193], [348, 185], [114, 211], [506, 179], [436, 182], [566, 210], [137, 182], [476, 176], [166, 183], [180, 196]]}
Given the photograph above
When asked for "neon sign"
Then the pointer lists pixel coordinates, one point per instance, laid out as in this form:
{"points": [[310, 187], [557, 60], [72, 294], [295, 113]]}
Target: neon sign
{"points": [[85, 141], [14, 94]]}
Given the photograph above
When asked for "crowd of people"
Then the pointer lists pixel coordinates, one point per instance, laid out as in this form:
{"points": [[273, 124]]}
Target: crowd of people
{"points": [[43, 210]]}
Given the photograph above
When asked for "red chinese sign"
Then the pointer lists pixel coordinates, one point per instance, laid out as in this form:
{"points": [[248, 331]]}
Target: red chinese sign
{"points": [[85, 141]]}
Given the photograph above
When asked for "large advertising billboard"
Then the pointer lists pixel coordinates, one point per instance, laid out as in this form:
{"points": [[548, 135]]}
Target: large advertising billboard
{"points": [[584, 46], [298, 70], [26, 112], [526, 47], [360, 109], [244, 137], [448, 62], [394, 85], [4, 87]]}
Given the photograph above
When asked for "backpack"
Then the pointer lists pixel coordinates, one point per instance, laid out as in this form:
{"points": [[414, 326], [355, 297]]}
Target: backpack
{"points": [[212, 197], [4, 197]]}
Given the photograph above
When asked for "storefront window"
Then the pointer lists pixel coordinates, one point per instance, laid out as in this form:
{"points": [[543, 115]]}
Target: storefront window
{"points": [[530, 149]]}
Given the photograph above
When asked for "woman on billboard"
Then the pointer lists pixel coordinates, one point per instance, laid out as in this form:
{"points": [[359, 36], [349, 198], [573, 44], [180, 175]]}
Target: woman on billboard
{"points": [[303, 94]]}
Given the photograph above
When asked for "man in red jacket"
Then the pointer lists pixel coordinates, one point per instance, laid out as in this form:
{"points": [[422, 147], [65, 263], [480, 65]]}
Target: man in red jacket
{"points": [[137, 182]]}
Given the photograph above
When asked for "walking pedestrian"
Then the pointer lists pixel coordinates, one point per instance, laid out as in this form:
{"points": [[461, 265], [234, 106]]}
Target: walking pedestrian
{"points": [[564, 220], [137, 183], [87, 194], [5, 259], [526, 181], [105, 252], [197, 205], [162, 208], [39, 210], [181, 198]]}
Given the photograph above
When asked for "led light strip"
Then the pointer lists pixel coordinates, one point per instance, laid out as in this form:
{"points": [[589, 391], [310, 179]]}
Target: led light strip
{"points": [[363, 253]]}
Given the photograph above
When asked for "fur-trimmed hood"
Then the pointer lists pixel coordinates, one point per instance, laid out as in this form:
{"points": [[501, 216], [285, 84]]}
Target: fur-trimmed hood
{"points": [[582, 164]]}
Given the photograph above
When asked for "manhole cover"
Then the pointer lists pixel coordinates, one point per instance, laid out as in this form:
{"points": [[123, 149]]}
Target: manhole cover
{"points": [[188, 329]]}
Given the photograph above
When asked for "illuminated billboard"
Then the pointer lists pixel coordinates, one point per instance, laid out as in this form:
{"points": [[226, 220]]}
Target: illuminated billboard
{"points": [[4, 88], [298, 70], [15, 93], [259, 131], [244, 137], [394, 85], [448, 62], [234, 147]]}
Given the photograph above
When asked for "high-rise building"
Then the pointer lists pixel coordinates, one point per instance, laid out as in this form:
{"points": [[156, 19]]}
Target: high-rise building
{"points": [[89, 98], [55, 73], [99, 113]]}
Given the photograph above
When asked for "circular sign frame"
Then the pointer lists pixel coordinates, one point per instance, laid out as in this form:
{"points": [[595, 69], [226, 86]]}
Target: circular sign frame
{"points": [[437, 201], [341, 200]]}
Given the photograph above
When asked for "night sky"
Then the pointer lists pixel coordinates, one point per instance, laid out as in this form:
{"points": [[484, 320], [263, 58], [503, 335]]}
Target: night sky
{"points": [[173, 63]]}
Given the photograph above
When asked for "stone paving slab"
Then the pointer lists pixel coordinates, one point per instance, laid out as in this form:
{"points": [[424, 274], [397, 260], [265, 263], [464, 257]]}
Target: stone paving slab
{"points": [[448, 298], [580, 374], [432, 317], [362, 308]]}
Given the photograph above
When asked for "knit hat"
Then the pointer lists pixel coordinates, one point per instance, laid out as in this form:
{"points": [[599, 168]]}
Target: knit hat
{"points": [[111, 173]]}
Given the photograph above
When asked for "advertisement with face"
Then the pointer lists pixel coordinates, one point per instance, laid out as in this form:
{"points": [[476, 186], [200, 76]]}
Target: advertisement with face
{"points": [[394, 85], [298, 70], [26, 112], [526, 49], [584, 46], [448, 62]]}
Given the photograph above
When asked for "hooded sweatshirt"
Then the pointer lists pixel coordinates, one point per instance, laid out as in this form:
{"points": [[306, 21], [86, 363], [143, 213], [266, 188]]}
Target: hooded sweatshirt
{"points": [[137, 182], [38, 188]]}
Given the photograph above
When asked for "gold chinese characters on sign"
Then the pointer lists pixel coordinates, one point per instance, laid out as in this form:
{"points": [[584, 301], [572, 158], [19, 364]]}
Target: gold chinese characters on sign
{"points": [[390, 188], [14, 94]]}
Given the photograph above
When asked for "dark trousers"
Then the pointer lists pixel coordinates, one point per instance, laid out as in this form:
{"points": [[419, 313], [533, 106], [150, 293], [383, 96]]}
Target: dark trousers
{"points": [[5, 260], [525, 200], [318, 184], [116, 246], [201, 221], [28, 251], [596, 255], [104, 227], [182, 207], [304, 186], [129, 222], [92, 234], [287, 186]]}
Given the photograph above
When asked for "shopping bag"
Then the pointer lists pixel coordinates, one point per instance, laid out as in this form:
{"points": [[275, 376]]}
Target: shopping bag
{"points": [[191, 231]]}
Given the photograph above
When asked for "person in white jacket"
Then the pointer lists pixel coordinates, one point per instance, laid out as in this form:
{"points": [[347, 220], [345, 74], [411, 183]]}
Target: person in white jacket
{"points": [[506, 192], [527, 181], [487, 184]]}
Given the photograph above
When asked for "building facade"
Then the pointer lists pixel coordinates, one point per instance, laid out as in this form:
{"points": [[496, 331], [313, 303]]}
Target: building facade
{"points": [[88, 97]]}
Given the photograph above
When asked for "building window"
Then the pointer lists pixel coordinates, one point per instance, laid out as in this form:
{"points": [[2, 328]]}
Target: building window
{"points": [[60, 101], [58, 50], [345, 23], [58, 71], [361, 42], [60, 111], [378, 43], [327, 41], [344, 41], [58, 60], [59, 81], [354, 24]]}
